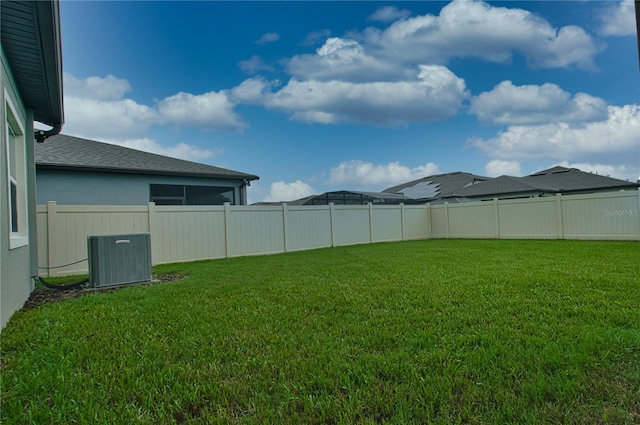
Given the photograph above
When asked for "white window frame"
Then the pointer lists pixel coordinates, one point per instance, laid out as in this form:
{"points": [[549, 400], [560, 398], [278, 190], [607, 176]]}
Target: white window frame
{"points": [[15, 149]]}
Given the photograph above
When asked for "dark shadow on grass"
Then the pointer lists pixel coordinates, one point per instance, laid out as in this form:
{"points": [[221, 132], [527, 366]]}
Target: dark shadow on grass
{"points": [[41, 296]]}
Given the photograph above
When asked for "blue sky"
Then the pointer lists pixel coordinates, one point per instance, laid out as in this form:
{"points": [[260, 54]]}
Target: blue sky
{"points": [[329, 95]]}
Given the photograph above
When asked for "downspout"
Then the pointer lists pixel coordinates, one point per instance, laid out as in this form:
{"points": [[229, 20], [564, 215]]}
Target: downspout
{"points": [[42, 135], [243, 191]]}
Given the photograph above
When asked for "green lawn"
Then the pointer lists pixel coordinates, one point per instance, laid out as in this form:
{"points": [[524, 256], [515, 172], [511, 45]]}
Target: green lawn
{"points": [[437, 331]]}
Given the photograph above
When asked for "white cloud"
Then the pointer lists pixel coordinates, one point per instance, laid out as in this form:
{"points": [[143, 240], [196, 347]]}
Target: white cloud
{"points": [[389, 14], [344, 59], [621, 172], [269, 37], [108, 88], [474, 28], [284, 192], [618, 19], [314, 37], [497, 167], [119, 119], [318, 117], [370, 76], [507, 104], [181, 150], [436, 94], [618, 136], [254, 64], [367, 174], [254, 90], [95, 108], [209, 111]]}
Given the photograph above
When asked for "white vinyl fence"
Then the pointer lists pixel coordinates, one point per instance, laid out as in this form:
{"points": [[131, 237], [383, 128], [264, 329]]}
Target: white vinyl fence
{"points": [[186, 233]]}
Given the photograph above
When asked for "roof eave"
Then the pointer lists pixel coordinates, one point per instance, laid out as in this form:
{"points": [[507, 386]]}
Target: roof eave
{"points": [[637, 7], [51, 44], [31, 30], [45, 166], [630, 185]]}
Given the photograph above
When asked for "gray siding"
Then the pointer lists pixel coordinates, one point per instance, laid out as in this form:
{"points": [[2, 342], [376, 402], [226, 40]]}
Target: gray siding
{"points": [[15, 264], [87, 188]]}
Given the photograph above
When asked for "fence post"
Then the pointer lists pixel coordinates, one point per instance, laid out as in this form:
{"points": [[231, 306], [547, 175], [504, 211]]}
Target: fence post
{"points": [[285, 219], [446, 218], [496, 219], [51, 225], [370, 222], [153, 231], [430, 236], [402, 221], [331, 222], [227, 212], [559, 216]]}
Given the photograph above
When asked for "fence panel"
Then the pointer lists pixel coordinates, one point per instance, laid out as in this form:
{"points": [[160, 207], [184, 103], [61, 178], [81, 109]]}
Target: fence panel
{"points": [[255, 230], [386, 223], [184, 233], [531, 218], [601, 216], [69, 226], [475, 220], [351, 225], [308, 227], [416, 222], [439, 221]]}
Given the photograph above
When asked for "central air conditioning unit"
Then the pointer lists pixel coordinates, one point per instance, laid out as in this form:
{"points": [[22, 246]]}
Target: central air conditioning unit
{"points": [[119, 259]]}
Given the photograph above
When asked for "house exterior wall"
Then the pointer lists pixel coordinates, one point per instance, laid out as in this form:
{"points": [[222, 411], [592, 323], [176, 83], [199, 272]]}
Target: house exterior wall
{"points": [[90, 188], [15, 262]]}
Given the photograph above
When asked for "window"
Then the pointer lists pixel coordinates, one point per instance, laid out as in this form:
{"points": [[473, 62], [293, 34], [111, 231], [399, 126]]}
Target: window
{"points": [[16, 178], [171, 194]]}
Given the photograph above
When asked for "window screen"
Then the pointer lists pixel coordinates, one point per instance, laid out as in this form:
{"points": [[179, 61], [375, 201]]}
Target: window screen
{"points": [[168, 194]]}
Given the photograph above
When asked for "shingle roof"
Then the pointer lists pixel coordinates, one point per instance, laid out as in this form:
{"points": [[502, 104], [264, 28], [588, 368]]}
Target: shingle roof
{"points": [[503, 184], [572, 179], [442, 185], [553, 180], [74, 153]]}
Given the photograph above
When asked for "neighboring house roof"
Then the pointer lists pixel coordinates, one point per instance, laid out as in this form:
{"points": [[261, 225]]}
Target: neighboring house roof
{"points": [[553, 180], [572, 179], [30, 32], [504, 184], [73, 153], [301, 201], [437, 186]]}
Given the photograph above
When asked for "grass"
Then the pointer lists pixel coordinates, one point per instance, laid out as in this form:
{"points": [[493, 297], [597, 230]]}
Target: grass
{"points": [[438, 331]]}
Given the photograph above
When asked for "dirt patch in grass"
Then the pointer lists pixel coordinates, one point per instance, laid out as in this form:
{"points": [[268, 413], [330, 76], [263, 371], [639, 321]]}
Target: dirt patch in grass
{"points": [[42, 296]]}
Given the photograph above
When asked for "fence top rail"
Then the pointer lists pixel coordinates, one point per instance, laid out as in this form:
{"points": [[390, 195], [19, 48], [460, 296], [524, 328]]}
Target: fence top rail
{"points": [[488, 204], [94, 208], [188, 208], [599, 195], [566, 197]]}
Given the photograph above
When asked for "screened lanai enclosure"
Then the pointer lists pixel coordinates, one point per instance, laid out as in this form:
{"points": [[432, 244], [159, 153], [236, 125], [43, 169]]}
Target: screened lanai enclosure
{"points": [[345, 197]]}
